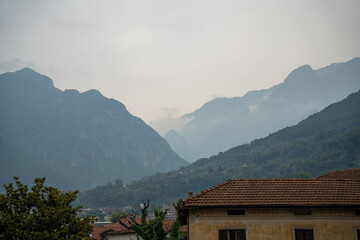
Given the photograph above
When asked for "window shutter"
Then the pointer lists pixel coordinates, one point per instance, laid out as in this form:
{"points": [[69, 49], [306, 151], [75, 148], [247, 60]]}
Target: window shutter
{"points": [[299, 235], [309, 235], [304, 234], [223, 235], [240, 234]]}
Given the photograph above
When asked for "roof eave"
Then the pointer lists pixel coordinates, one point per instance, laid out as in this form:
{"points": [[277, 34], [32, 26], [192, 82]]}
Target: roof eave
{"points": [[275, 206]]}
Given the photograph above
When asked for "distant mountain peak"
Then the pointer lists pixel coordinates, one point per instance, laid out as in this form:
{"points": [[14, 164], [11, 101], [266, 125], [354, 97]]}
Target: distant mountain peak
{"points": [[27, 70], [226, 122], [303, 72], [93, 92], [171, 132], [76, 140], [29, 76]]}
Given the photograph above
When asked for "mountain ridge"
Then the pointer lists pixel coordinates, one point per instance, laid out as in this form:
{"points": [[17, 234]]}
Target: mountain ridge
{"points": [[226, 122], [82, 139], [323, 142]]}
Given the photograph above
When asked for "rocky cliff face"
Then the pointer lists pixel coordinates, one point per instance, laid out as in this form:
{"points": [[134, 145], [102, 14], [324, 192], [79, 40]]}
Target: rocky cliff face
{"points": [[77, 140]]}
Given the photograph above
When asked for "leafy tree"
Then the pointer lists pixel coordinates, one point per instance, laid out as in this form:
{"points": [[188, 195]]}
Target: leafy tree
{"points": [[42, 213], [153, 229], [115, 217]]}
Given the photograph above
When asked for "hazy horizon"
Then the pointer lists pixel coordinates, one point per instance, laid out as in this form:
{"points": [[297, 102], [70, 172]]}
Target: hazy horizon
{"points": [[164, 58]]}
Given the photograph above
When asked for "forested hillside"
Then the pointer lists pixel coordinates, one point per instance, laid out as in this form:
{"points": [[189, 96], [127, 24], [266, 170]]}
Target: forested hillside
{"points": [[226, 122], [325, 141]]}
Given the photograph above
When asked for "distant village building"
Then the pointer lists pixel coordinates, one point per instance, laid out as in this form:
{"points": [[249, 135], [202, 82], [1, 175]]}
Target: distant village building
{"points": [[323, 208], [113, 231], [116, 231]]}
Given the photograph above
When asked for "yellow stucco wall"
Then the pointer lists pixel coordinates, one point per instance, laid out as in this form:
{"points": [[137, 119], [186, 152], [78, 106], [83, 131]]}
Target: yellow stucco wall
{"points": [[275, 224]]}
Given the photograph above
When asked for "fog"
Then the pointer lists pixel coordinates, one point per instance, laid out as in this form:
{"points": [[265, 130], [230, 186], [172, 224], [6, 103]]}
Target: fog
{"points": [[164, 58]]}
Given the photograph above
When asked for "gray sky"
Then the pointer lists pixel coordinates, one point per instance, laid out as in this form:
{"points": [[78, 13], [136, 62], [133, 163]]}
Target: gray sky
{"points": [[167, 57]]}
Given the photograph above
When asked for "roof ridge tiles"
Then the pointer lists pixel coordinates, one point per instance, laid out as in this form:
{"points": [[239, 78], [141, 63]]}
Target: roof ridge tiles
{"points": [[294, 180], [351, 173], [208, 190], [339, 192]]}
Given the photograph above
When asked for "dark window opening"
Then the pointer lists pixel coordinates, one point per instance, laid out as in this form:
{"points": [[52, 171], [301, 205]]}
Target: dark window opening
{"points": [[223, 235], [302, 211], [304, 234], [236, 212], [232, 234]]}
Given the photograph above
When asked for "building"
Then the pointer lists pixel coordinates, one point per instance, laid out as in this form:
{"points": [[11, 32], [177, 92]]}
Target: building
{"points": [[322, 208], [116, 231], [113, 231]]}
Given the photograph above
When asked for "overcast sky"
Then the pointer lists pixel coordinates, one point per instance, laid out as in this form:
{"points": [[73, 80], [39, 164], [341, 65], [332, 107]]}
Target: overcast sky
{"points": [[166, 57]]}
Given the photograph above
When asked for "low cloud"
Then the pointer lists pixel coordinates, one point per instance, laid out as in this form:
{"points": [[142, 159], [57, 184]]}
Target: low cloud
{"points": [[14, 65], [171, 112], [170, 121]]}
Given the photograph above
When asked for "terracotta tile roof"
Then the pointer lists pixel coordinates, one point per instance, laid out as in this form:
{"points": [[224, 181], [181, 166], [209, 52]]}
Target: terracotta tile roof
{"points": [[118, 232], [342, 174], [278, 192], [97, 231], [168, 223], [117, 228]]}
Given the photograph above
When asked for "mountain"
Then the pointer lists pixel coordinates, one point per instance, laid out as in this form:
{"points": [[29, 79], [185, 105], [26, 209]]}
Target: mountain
{"points": [[324, 142], [180, 142], [226, 122], [77, 140]]}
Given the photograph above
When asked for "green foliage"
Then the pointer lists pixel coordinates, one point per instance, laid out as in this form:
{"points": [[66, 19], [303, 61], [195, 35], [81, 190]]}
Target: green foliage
{"points": [[114, 217], [324, 142], [154, 229], [42, 213]]}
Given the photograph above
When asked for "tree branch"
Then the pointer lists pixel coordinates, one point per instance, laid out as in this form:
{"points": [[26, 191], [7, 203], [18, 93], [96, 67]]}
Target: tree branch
{"points": [[131, 217], [121, 218]]}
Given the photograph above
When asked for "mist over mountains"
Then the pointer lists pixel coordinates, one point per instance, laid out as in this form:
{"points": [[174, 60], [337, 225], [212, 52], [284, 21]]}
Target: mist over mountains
{"points": [[226, 122], [81, 140], [324, 142], [76, 140]]}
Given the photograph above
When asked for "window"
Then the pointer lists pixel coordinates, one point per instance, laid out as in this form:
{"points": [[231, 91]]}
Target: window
{"points": [[304, 234], [232, 234], [236, 212], [302, 211]]}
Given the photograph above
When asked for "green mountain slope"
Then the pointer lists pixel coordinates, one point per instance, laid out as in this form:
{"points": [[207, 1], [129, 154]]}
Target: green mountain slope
{"points": [[226, 122], [326, 141], [77, 140]]}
